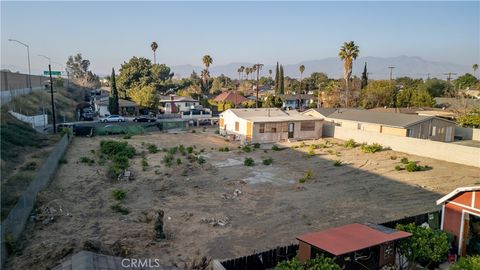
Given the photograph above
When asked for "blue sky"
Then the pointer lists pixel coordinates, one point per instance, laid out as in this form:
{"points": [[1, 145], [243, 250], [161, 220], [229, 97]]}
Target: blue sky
{"points": [[109, 33]]}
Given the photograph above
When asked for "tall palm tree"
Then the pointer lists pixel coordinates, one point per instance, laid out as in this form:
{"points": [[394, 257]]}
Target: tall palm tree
{"points": [[254, 68], [207, 61], [239, 70], [154, 47], [348, 52], [301, 69], [242, 68], [247, 70], [475, 67], [270, 73]]}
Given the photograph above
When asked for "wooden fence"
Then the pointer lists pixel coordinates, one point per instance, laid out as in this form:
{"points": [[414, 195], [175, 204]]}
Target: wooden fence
{"points": [[262, 260]]}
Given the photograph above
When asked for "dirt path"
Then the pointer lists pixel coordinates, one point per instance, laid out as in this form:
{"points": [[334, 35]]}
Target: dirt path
{"points": [[272, 208]]}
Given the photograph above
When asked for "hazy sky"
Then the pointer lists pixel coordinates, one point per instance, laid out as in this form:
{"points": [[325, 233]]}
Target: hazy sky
{"points": [[109, 33]]}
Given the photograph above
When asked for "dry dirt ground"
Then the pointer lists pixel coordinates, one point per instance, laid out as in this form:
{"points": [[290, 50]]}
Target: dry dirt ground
{"points": [[272, 209]]}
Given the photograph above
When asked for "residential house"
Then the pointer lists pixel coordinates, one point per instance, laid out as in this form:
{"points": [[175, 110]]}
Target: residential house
{"points": [[399, 124], [426, 111], [461, 218], [353, 246], [175, 104], [268, 125], [297, 101], [126, 107], [230, 96]]}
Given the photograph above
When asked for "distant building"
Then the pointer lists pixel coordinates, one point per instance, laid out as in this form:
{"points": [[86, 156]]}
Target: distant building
{"points": [[399, 124], [297, 101], [176, 104], [126, 107], [231, 96], [461, 218], [268, 125]]}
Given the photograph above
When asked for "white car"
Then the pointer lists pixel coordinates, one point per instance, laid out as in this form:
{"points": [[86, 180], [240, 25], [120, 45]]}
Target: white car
{"points": [[112, 118]]}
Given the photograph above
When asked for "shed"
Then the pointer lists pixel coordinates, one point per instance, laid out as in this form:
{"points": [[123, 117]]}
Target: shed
{"points": [[461, 218], [353, 245]]}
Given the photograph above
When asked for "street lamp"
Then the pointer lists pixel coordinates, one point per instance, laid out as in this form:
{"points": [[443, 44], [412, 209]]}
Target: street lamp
{"points": [[51, 92], [28, 54]]}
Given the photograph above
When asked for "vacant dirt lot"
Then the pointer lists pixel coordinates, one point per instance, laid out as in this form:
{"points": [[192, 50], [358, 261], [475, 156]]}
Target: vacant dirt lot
{"points": [[272, 208]]}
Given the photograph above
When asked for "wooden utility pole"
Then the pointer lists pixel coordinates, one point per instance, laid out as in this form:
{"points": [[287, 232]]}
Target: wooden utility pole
{"points": [[53, 103], [391, 72]]}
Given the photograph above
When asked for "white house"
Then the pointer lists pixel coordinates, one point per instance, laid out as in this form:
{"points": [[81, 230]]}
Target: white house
{"points": [[175, 104], [269, 125]]}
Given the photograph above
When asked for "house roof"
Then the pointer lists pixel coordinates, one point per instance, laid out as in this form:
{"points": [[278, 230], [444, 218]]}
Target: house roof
{"points": [[268, 115], [296, 96], [231, 96], [366, 116], [455, 192], [351, 237], [121, 102]]}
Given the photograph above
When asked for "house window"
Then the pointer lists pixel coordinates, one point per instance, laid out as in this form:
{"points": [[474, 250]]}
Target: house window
{"points": [[274, 130], [433, 132], [261, 128], [237, 126], [409, 132], [307, 126], [359, 125]]}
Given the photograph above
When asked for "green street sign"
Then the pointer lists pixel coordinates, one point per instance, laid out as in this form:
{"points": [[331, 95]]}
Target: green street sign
{"points": [[54, 73]]}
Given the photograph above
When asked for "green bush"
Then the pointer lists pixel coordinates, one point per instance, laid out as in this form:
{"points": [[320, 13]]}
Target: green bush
{"points": [[308, 175], [398, 168], [372, 148], [256, 145], [114, 148], [414, 167], [179, 161], [173, 150], [337, 163], [120, 209], [224, 149], [200, 160], [63, 160], [404, 160], [119, 194], [319, 263], [275, 148], [152, 148], [249, 162], [393, 157], [182, 150], [87, 160], [189, 149], [267, 161], [246, 149], [11, 245], [30, 166], [350, 144], [168, 160], [467, 263], [311, 153], [144, 163]]}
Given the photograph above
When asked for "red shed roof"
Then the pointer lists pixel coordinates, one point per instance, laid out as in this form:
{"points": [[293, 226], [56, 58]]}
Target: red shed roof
{"points": [[230, 96], [455, 192], [351, 237]]}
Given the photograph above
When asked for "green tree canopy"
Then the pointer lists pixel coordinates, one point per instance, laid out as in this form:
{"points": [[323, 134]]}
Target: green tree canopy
{"points": [[77, 68], [465, 81], [377, 94], [467, 263], [272, 101], [145, 96], [435, 87], [113, 107]]}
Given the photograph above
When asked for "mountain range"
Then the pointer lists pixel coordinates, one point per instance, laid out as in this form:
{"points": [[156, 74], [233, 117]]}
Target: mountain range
{"points": [[377, 67]]}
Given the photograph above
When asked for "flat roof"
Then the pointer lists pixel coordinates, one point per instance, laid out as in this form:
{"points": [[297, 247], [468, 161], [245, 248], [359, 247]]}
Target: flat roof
{"points": [[268, 115], [352, 237]]}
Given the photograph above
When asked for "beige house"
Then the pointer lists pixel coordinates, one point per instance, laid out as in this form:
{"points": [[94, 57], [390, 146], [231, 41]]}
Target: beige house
{"points": [[264, 125], [399, 124]]}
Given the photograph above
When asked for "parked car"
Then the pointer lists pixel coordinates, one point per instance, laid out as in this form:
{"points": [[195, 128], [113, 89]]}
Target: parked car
{"points": [[114, 130], [112, 118], [144, 118]]}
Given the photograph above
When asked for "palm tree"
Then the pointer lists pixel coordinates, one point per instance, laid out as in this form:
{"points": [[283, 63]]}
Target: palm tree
{"points": [[348, 52], [475, 67], [242, 68], [302, 69], [154, 47], [270, 73], [207, 61], [239, 70]]}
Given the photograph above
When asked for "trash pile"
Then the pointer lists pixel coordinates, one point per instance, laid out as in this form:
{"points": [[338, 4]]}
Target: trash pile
{"points": [[223, 221], [226, 196], [49, 212]]}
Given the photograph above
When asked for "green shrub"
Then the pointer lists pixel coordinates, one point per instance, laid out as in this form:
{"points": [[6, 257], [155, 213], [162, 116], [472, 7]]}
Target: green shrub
{"points": [[144, 163], [152, 148], [224, 149], [168, 160], [249, 162], [311, 153], [127, 136], [246, 149], [30, 166], [393, 157], [200, 160], [87, 160], [275, 148], [189, 149], [308, 175], [414, 167], [173, 150], [267, 161], [63, 160], [256, 145], [114, 148], [119, 194], [120, 209], [350, 144], [182, 150], [372, 148], [11, 245], [337, 163], [467, 263], [179, 161], [217, 131], [319, 263], [404, 160], [398, 168]]}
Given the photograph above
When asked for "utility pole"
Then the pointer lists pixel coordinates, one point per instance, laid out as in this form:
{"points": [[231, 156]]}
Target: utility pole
{"points": [[258, 67], [53, 104], [449, 78]]}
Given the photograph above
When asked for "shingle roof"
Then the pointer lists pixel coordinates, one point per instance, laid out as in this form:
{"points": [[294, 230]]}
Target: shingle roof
{"points": [[271, 115], [366, 116], [230, 96], [177, 98]]}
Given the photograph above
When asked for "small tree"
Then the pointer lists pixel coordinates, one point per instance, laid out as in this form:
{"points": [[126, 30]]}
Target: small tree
{"points": [[425, 245], [319, 263], [467, 263], [113, 107]]}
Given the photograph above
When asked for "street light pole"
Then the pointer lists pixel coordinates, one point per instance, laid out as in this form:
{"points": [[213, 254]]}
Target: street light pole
{"points": [[51, 95], [28, 55]]}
